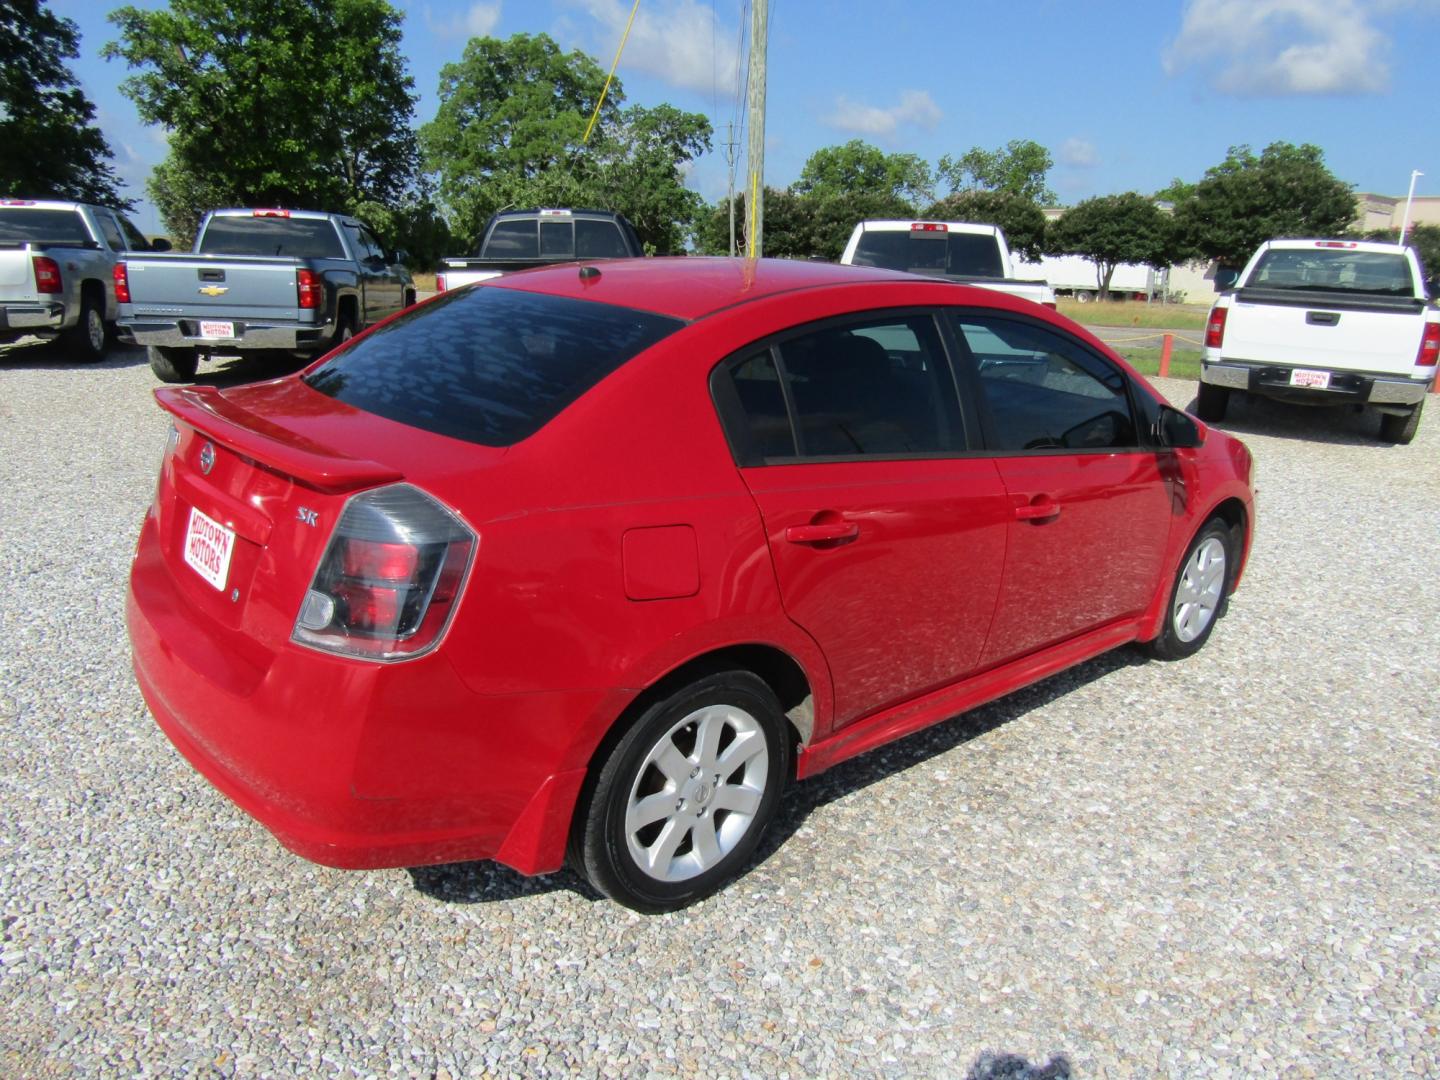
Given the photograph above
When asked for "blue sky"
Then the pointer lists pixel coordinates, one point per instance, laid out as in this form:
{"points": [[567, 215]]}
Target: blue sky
{"points": [[1125, 96]]}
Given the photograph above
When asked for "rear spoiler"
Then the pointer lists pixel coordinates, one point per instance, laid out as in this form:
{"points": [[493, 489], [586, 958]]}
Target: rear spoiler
{"points": [[268, 444]]}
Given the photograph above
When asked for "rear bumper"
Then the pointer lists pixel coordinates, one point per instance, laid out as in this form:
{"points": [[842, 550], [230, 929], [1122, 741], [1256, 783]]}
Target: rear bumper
{"points": [[28, 318], [1346, 387], [185, 334], [359, 765]]}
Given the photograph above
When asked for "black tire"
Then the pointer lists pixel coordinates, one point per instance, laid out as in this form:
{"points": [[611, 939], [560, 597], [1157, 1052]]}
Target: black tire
{"points": [[687, 799], [173, 365], [409, 297], [344, 331], [1401, 429], [1211, 401], [1197, 597], [88, 339]]}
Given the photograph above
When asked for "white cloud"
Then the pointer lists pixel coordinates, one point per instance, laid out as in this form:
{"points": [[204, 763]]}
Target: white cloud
{"points": [[916, 109], [681, 42], [1079, 154], [478, 20], [1284, 47]]}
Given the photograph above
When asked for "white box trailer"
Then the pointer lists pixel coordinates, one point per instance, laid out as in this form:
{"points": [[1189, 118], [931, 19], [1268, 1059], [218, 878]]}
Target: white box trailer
{"points": [[1076, 276]]}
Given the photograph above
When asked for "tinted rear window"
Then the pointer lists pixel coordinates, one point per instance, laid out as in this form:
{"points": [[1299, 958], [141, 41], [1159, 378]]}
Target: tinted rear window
{"points": [[1333, 270], [21, 225], [302, 238], [488, 365], [946, 254]]}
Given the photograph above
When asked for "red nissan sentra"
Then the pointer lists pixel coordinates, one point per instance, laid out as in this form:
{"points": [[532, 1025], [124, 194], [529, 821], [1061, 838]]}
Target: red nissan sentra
{"points": [[588, 562]]}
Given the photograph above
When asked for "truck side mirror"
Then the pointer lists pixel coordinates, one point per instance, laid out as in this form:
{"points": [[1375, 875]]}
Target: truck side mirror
{"points": [[1174, 430], [159, 244], [399, 255]]}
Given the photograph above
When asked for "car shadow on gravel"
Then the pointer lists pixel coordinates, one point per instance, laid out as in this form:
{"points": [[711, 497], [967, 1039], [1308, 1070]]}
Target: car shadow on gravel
{"points": [[490, 882], [34, 355], [1340, 425]]}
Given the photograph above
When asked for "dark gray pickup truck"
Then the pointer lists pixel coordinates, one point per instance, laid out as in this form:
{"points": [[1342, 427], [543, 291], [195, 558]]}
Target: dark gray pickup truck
{"points": [[293, 281], [524, 239]]}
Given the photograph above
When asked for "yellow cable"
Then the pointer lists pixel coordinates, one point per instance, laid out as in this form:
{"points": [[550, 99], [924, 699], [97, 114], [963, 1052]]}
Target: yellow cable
{"points": [[616, 63], [750, 230]]}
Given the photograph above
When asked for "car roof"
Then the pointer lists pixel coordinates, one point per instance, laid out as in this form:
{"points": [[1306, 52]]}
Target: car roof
{"points": [[692, 287]]}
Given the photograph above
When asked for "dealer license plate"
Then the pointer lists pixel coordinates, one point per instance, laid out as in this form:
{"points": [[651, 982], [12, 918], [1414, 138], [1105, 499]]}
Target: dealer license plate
{"points": [[215, 329], [208, 546], [1315, 380]]}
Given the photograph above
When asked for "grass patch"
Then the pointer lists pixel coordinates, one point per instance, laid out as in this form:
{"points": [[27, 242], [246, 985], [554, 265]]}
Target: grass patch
{"points": [[1184, 363], [1136, 313], [426, 282]]}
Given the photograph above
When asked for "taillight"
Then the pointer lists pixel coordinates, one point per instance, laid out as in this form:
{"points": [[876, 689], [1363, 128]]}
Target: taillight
{"points": [[308, 290], [122, 283], [1429, 345], [1215, 328], [439, 282], [47, 274], [389, 579]]}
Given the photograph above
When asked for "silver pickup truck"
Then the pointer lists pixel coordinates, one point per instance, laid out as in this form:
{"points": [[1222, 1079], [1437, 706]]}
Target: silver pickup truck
{"points": [[297, 282], [57, 263]]}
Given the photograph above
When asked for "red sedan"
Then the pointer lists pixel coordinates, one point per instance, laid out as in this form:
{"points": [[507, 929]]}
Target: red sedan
{"points": [[590, 562]]}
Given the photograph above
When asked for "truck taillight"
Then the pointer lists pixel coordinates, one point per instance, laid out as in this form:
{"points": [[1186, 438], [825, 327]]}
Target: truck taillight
{"points": [[122, 283], [1429, 345], [308, 289], [47, 274], [439, 282], [390, 577], [1215, 328]]}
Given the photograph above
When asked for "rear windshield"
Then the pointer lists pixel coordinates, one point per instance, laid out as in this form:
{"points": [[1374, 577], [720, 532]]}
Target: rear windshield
{"points": [[1333, 270], [488, 365], [303, 238], [22, 225], [946, 254]]}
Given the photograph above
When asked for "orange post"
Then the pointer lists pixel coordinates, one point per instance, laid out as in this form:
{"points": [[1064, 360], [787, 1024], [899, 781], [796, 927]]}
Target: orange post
{"points": [[1165, 356]]}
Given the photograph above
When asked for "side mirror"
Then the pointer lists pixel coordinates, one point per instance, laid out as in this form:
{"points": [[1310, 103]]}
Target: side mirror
{"points": [[1177, 431], [159, 244]]}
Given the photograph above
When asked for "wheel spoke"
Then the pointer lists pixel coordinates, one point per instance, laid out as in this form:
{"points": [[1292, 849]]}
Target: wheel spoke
{"points": [[649, 810], [707, 741], [670, 761], [741, 800], [707, 847], [661, 854], [746, 746]]}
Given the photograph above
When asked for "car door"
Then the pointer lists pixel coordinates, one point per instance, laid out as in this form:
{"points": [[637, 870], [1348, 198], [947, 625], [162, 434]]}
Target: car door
{"points": [[1090, 508], [382, 292], [887, 536]]}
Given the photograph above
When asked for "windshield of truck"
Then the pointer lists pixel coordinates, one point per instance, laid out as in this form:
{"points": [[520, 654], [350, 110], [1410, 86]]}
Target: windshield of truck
{"points": [[487, 365], [301, 238], [949, 254], [29, 225], [1380, 273]]}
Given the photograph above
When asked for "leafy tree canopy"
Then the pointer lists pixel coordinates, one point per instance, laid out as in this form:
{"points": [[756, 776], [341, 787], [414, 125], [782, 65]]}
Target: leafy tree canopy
{"points": [[298, 103], [52, 148], [1113, 229], [1019, 168], [1022, 222], [1245, 200], [857, 167], [800, 226], [639, 173]]}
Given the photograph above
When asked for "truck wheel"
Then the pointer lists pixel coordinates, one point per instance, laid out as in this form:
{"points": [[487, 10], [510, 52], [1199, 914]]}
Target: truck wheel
{"points": [[172, 365], [344, 331], [1211, 401], [1084, 296], [1401, 429], [87, 339], [1197, 598], [682, 801]]}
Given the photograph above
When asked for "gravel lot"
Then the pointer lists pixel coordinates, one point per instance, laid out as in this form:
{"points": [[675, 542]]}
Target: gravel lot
{"points": [[1227, 866]]}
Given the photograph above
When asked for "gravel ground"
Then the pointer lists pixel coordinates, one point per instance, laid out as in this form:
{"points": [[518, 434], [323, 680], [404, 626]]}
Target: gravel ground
{"points": [[1227, 866]]}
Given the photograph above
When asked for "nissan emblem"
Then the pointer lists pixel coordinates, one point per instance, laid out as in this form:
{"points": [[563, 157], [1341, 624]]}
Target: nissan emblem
{"points": [[207, 458]]}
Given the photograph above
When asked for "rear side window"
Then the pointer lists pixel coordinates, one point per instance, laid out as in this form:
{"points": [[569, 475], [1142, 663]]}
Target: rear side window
{"points": [[488, 365], [301, 238], [22, 225], [1046, 392], [111, 232]]}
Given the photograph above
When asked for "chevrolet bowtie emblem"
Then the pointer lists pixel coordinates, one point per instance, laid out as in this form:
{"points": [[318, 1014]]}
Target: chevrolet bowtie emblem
{"points": [[213, 290]]}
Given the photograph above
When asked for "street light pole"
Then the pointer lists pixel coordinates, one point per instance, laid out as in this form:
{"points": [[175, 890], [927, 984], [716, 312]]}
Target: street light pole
{"points": [[1405, 221]]}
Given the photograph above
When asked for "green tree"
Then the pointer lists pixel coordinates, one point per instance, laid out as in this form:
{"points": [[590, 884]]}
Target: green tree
{"points": [[859, 167], [509, 128], [1019, 168], [1245, 200], [1113, 229], [416, 227], [298, 103], [639, 173], [47, 125], [1022, 222]]}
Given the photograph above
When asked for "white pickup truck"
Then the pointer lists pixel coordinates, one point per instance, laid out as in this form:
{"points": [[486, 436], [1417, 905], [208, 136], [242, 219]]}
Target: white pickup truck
{"points": [[955, 250], [1325, 322]]}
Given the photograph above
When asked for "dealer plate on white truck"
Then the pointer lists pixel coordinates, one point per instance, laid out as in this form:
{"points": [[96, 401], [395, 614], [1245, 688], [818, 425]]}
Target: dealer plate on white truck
{"points": [[208, 546], [1315, 380], [217, 329]]}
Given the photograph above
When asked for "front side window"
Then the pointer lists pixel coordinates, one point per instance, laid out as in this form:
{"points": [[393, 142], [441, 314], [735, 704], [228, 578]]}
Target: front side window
{"points": [[1044, 391], [113, 240], [367, 245], [134, 238]]}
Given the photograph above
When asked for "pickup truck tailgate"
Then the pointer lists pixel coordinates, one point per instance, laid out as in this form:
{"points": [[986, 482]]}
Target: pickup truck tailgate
{"points": [[16, 282], [1346, 336], [258, 288]]}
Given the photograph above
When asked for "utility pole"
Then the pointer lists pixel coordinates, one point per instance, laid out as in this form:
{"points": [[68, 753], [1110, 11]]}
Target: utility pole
{"points": [[1405, 221], [755, 197], [730, 145]]}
